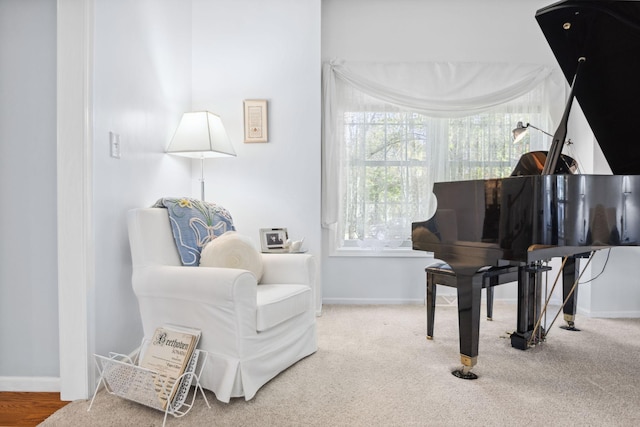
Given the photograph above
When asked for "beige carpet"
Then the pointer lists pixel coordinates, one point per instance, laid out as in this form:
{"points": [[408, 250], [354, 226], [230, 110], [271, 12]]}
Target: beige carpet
{"points": [[374, 367]]}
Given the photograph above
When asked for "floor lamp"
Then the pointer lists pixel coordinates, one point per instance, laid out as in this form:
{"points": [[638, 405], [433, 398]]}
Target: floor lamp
{"points": [[201, 135]]}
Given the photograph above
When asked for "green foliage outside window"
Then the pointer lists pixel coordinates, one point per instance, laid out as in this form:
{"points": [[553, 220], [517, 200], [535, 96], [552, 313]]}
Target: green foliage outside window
{"points": [[390, 157]]}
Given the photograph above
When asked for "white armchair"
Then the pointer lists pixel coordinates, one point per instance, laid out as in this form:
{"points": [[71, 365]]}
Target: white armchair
{"points": [[251, 331]]}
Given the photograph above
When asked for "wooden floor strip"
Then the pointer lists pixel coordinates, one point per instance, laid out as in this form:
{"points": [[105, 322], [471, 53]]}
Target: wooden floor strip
{"points": [[24, 409]]}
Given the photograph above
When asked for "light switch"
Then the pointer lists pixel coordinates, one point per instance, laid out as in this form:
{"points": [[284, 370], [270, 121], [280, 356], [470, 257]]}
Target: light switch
{"points": [[114, 143]]}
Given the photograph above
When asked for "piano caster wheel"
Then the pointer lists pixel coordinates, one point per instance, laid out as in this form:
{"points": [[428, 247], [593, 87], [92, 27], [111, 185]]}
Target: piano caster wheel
{"points": [[464, 373], [570, 326]]}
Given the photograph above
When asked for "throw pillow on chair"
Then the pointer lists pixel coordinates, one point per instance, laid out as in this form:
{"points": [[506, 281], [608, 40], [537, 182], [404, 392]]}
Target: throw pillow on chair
{"points": [[232, 250]]}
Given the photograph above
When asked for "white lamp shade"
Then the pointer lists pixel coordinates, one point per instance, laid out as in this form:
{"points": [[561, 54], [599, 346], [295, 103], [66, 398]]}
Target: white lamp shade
{"points": [[519, 132], [199, 135]]}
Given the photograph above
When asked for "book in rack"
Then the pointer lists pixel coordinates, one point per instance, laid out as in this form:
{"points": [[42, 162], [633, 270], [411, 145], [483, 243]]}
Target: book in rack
{"points": [[168, 354]]}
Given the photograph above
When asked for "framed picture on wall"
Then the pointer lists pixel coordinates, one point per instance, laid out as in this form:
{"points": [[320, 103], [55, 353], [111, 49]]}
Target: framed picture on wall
{"points": [[273, 239], [255, 120]]}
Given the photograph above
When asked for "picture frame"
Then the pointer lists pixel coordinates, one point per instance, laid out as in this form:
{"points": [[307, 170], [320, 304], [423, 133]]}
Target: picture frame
{"points": [[255, 120], [273, 239]]}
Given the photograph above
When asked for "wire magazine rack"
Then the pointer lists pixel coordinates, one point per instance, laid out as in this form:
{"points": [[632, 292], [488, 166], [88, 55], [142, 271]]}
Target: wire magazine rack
{"points": [[121, 376]]}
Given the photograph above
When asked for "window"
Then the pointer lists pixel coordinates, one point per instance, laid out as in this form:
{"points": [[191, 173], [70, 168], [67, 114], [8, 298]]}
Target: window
{"points": [[387, 161], [390, 130], [392, 156]]}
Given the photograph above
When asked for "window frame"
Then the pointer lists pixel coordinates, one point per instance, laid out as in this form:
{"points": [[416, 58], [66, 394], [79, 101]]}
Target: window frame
{"points": [[436, 129]]}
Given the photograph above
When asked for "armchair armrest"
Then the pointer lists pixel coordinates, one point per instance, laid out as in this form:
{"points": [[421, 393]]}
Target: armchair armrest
{"points": [[288, 269], [221, 302], [208, 285]]}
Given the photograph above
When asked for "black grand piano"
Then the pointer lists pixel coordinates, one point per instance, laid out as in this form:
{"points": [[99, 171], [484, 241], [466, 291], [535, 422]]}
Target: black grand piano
{"points": [[545, 212]]}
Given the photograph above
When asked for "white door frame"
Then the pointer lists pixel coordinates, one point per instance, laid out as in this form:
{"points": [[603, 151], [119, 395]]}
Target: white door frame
{"points": [[76, 278]]}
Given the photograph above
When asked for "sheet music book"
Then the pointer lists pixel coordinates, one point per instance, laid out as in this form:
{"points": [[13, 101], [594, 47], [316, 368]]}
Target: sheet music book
{"points": [[168, 354]]}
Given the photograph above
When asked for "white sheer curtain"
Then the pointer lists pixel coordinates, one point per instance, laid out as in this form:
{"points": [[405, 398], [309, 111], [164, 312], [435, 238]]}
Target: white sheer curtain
{"points": [[434, 89]]}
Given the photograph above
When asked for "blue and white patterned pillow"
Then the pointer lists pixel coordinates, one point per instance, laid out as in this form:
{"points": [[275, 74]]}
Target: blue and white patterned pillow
{"points": [[194, 223]]}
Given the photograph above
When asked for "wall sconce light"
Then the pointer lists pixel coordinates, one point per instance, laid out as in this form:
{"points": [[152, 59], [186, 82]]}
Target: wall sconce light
{"points": [[201, 135]]}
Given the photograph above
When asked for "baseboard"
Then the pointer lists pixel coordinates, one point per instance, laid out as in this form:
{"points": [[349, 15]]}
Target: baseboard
{"points": [[632, 314], [372, 301], [441, 300], [452, 300], [31, 384]]}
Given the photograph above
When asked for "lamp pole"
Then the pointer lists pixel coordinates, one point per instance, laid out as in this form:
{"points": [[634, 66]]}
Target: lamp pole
{"points": [[202, 178]]}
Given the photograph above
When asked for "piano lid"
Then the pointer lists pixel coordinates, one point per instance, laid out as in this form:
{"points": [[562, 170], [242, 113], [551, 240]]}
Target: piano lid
{"points": [[607, 34]]}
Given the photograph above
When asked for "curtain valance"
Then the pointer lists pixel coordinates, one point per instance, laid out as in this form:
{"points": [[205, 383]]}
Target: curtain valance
{"points": [[441, 89]]}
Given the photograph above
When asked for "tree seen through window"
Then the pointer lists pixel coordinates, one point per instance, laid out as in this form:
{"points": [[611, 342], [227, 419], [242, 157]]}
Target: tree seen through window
{"points": [[390, 152]]}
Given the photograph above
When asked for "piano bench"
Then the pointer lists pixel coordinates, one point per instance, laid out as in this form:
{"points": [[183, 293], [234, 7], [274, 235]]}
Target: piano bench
{"points": [[442, 274]]}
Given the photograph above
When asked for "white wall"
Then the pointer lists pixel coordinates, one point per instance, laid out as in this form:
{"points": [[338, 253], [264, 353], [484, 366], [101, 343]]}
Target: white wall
{"points": [[434, 30], [28, 262], [142, 84], [252, 49]]}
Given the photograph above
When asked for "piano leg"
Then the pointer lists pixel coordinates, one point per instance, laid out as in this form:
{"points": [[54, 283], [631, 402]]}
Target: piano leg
{"points": [[469, 295], [529, 292], [492, 282], [431, 305], [570, 271]]}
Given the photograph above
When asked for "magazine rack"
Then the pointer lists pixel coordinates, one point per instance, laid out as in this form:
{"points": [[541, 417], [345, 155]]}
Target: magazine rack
{"points": [[122, 377]]}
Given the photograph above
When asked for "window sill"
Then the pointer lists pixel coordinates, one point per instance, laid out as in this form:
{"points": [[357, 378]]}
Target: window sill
{"points": [[380, 253]]}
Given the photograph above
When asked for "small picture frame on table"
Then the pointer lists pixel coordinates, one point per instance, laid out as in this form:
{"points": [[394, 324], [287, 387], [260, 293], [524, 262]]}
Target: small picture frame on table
{"points": [[273, 239], [255, 120]]}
